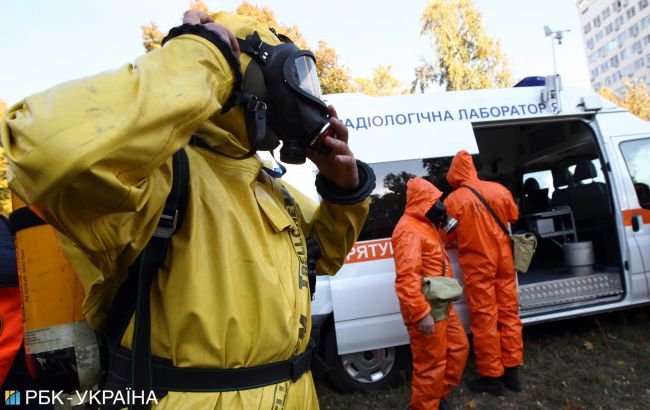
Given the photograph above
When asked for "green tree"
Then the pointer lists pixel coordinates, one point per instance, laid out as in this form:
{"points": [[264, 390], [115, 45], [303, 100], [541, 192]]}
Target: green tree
{"points": [[465, 56], [334, 77], [381, 83], [634, 98], [5, 195]]}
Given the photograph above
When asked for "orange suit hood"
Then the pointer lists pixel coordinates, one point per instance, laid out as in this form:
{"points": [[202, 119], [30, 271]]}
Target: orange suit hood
{"points": [[462, 169], [420, 197]]}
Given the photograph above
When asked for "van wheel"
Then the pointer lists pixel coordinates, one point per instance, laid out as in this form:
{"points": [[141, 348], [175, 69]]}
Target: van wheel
{"points": [[362, 371]]}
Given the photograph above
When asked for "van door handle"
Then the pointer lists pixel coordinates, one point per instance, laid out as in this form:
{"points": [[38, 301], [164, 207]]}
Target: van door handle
{"points": [[636, 223]]}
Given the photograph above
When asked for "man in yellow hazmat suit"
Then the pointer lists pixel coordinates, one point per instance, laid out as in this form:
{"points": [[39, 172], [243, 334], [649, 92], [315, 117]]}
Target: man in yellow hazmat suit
{"points": [[93, 158]]}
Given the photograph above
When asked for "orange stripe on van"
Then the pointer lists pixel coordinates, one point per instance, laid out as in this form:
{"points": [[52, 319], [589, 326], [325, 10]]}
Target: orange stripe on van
{"points": [[629, 213], [370, 251]]}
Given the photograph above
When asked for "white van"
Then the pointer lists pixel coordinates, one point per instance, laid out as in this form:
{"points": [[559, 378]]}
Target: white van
{"points": [[578, 167]]}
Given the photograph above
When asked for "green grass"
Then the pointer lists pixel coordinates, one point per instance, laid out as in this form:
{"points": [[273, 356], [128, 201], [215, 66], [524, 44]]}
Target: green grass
{"points": [[597, 362]]}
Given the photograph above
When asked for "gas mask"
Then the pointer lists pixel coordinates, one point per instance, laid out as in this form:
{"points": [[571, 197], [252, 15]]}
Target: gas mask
{"points": [[438, 215], [282, 100]]}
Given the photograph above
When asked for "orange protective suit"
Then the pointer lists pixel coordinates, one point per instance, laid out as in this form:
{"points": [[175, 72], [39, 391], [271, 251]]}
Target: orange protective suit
{"points": [[485, 255], [438, 358]]}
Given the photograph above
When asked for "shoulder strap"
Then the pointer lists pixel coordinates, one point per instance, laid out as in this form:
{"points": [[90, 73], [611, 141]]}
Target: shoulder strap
{"points": [[133, 295], [489, 208]]}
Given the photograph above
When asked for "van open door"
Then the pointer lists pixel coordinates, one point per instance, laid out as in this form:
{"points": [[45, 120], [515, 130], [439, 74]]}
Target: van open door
{"points": [[632, 155]]}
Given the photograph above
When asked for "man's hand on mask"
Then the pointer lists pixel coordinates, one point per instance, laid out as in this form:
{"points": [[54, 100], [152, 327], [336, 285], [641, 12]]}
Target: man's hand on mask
{"points": [[200, 17], [339, 166]]}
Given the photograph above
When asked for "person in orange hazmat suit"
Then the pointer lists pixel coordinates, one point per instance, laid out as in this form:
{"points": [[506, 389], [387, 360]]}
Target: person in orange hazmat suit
{"points": [[439, 348], [228, 311], [485, 256]]}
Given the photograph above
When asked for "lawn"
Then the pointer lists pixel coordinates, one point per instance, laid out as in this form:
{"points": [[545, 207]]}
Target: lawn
{"points": [[597, 362]]}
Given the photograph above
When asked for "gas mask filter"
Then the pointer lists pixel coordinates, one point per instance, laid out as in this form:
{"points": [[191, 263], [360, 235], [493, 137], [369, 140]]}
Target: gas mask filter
{"points": [[438, 215]]}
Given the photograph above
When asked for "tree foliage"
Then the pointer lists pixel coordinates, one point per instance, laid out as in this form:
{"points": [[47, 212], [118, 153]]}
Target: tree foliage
{"points": [[5, 195], [465, 56], [381, 83], [334, 77], [635, 98]]}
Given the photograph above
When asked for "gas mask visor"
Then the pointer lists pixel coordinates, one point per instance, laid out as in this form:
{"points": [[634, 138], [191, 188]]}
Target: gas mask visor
{"points": [[293, 111], [301, 76]]}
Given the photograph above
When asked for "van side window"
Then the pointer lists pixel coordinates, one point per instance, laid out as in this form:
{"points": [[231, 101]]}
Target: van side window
{"points": [[637, 159], [389, 197]]}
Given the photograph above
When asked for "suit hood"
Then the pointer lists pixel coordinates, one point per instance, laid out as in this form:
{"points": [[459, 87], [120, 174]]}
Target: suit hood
{"points": [[420, 197], [462, 169], [227, 132]]}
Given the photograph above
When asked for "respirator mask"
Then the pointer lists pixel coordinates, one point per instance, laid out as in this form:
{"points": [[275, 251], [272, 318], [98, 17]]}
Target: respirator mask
{"points": [[282, 100], [438, 215]]}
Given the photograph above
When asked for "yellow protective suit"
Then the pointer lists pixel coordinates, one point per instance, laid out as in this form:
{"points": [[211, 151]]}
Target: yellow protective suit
{"points": [[485, 255], [94, 157], [439, 358]]}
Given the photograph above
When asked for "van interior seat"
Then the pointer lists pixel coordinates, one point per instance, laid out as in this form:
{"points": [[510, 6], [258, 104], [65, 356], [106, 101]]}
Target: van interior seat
{"points": [[590, 204], [535, 198], [563, 184], [591, 212]]}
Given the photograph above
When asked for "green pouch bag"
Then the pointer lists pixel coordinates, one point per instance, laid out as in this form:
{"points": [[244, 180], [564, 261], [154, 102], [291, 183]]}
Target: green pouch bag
{"points": [[523, 249], [439, 291]]}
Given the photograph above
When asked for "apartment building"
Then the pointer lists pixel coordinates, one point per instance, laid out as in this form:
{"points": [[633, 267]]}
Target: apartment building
{"points": [[616, 36]]}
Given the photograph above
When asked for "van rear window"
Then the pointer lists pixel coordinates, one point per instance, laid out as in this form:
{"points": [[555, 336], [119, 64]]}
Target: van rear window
{"points": [[389, 196]]}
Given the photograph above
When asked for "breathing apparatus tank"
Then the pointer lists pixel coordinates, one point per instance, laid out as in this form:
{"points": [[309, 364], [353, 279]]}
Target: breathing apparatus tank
{"points": [[63, 352]]}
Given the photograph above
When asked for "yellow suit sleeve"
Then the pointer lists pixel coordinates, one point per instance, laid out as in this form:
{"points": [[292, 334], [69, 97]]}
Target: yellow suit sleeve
{"points": [[334, 227], [93, 155]]}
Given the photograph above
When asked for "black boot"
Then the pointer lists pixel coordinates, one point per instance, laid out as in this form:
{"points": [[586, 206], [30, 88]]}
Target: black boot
{"points": [[511, 378], [484, 384], [443, 405]]}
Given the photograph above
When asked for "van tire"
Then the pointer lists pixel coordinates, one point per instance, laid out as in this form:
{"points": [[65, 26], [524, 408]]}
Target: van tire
{"points": [[383, 365]]}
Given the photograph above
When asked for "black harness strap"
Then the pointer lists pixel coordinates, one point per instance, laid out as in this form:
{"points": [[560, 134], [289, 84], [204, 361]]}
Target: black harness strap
{"points": [[133, 295], [166, 377]]}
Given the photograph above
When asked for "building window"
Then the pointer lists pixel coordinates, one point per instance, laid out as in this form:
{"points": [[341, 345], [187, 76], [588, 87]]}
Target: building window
{"points": [[642, 4], [604, 66], [617, 5], [634, 30], [631, 12], [645, 22], [597, 21], [621, 38], [609, 28], [638, 64], [594, 73], [624, 53], [618, 22], [637, 48], [647, 60], [611, 45], [606, 13], [599, 36], [587, 28], [614, 61], [602, 52]]}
